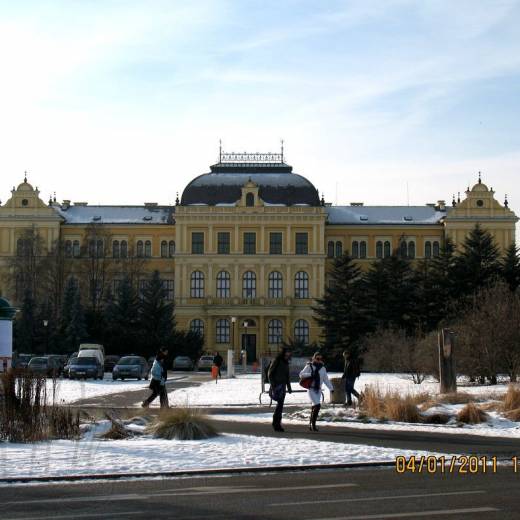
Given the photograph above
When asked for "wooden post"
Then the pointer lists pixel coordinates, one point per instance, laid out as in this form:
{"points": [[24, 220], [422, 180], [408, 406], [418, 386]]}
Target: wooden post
{"points": [[447, 371]]}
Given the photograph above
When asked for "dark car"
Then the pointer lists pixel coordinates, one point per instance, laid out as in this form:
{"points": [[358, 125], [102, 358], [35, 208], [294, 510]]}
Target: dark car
{"points": [[58, 360], [44, 366], [111, 362], [66, 368], [85, 367], [183, 363], [131, 367], [22, 360]]}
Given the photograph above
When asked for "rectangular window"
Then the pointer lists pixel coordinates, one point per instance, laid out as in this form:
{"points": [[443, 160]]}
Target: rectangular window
{"points": [[197, 243], [250, 243], [223, 243], [275, 243], [302, 243], [168, 287]]}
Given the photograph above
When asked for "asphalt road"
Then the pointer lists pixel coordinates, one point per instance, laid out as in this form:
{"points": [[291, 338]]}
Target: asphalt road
{"points": [[315, 495]]}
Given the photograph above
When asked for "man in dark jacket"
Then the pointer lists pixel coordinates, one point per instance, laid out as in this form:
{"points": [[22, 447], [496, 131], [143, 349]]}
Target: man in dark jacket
{"points": [[279, 380], [351, 372], [218, 361]]}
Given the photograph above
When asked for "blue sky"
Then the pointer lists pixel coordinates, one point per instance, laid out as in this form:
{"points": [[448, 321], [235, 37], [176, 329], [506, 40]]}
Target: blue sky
{"points": [[125, 101]]}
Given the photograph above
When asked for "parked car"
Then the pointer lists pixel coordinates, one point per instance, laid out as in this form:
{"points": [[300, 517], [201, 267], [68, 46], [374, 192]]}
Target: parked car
{"points": [[66, 368], [111, 362], [58, 360], [84, 367], [205, 363], [131, 367], [22, 360], [98, 354], [183, 363], [44, 366]]}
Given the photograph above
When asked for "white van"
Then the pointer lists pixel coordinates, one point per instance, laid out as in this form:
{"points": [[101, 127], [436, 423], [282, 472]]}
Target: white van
{"points": [[92, 346], [92, 352]]}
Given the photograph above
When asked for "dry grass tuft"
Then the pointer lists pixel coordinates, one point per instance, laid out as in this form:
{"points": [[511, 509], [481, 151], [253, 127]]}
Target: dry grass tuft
{"points": [[185, 424], [513, 415], [391, 405], [472, 414], [512, 398]]}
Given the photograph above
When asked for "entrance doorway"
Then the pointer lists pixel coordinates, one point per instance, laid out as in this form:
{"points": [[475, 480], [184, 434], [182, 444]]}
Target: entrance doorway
{"points": [[249, 345]]}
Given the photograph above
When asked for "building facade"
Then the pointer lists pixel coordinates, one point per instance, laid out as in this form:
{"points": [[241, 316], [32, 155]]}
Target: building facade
{"points": [[245, 252]]}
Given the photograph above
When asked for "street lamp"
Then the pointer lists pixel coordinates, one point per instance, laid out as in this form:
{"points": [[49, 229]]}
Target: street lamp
{"points": [[231, 354], [45, 324]]}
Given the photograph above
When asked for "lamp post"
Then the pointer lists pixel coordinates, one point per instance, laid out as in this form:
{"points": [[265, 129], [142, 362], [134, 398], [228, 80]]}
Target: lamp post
{"points": [[231, 353], [46, 327], [244, 349]]}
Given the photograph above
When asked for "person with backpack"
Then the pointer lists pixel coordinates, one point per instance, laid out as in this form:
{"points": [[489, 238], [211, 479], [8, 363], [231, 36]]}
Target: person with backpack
{"points": [[313, 377], [351, 372], [279, 379], [159, 375]]}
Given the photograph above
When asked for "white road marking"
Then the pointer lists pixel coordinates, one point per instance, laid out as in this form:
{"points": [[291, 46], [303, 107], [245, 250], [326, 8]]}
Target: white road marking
{"points": [[438, 512], [371, 499], [186, 492], [76, 515]]}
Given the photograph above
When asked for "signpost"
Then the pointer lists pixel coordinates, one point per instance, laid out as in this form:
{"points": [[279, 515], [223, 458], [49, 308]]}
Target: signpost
{"points": [[447, 371]]}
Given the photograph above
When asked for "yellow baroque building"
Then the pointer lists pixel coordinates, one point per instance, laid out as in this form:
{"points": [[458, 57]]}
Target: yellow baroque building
{"points": [[245, 252]]}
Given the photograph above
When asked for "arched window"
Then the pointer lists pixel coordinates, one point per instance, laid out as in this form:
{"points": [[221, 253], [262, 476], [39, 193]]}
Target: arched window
{"points": [[355, 249], [250, 200], [197, 326], [124, 249], [197, 284], [275, 285], [436, 249], [428, 249], [76, 249], [171, 248], [148, 249], [223, 285], [388, 249], [164, 249], [140, 249], [301, 331], [301, 285], [68, 248], [274, 332], [249, 285], [411, 249], [379, 249], [222, 332], [330, 249], [362, 249], [339, 249], [403, 249], [116, 249]]}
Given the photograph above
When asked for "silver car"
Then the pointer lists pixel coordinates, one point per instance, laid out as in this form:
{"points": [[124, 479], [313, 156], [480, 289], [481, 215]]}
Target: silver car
{"points": [[131, 367], [183, 363]]}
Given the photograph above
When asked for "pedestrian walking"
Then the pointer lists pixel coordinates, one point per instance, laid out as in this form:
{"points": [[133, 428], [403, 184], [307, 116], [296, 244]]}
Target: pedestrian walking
{"points": [[351, 372], [218, 361], [159, 375], [313, 377], [279, 382]]}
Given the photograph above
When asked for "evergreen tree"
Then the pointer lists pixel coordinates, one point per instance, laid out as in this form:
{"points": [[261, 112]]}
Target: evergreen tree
{"points": [[511, 267], [156, 316], [341, 312], [392, 293], [75, 331], [478, 264], [25, 325], [69, 296], [122, 332]]}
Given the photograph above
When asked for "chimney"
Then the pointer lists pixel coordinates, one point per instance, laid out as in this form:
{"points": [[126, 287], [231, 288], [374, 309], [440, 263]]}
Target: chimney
{"points": [[357, 204], [65, 205], [150, 204], [82, 204], [441, 205]]}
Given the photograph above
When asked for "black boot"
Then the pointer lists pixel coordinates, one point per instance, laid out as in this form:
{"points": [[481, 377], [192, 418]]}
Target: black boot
{"points": [[314, 417]]}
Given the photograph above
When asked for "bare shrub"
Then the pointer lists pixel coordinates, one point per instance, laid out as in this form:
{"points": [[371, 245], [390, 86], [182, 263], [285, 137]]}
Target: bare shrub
{"points": [[472, 414], [512, 398], [28, 412], [183, 424]]}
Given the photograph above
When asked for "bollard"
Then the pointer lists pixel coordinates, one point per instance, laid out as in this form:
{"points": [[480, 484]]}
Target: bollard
{"points": [[339, 396]]}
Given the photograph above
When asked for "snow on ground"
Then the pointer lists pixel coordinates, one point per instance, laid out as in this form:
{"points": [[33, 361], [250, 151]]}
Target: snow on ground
{"points": [[244, 390], [146, 454], [68, 391]]}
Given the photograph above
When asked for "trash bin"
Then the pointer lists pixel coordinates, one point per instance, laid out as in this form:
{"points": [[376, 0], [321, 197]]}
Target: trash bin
{"points": [[338, 397]]}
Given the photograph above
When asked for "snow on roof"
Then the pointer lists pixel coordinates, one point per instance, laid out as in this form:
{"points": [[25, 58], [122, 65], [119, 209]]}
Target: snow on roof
{"points": [[366, 215], [117, 214]]}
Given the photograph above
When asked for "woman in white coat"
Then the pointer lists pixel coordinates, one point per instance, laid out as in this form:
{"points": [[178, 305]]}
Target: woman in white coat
{"points": [[316, 371]]}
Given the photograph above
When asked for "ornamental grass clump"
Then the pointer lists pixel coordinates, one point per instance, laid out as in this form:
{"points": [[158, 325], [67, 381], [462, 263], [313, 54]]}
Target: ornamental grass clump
{"points": [[391, 405], [28, 412], [183, 424], [512, 398], [472, 414]]}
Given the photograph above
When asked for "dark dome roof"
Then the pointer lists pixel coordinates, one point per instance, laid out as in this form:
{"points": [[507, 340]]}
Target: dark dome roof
{"points": [[277, 185]]}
